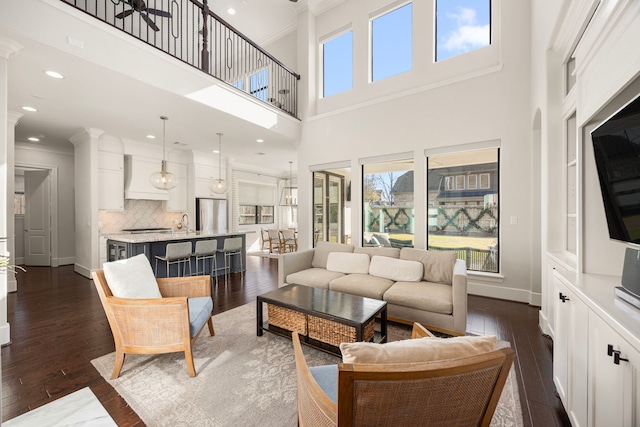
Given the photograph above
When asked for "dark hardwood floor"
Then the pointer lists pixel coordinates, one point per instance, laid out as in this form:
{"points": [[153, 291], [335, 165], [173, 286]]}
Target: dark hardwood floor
{"points": [[58, 326]]}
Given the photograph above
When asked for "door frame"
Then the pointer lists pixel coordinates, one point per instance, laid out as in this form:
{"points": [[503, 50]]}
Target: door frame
{"points": [[53, 194], [326, 206]]}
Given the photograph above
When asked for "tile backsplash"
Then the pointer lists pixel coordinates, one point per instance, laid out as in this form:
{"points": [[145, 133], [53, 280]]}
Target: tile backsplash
{"points": [[138, 214]]}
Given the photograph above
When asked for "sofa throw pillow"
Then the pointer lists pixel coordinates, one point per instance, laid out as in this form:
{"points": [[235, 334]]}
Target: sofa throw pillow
{"points": [[394, 269], [416, 350], [438, 265], [131, 278], [348, 263], [323, 249]]}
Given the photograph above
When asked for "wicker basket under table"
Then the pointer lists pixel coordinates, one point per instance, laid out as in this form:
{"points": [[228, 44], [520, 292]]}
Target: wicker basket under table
{"points": [[288, 319], [334, 333]]}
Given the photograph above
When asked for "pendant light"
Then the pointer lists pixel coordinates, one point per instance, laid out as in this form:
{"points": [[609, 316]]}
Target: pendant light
{"points": [[163, 180], [219, 186], [289, 195]]}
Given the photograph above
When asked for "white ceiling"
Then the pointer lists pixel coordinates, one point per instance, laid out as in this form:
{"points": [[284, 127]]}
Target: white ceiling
{"points": [[118, 86]]}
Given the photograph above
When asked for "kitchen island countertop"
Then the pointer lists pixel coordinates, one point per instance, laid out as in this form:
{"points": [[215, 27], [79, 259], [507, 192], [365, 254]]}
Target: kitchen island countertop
{"points": [[174, 235]]}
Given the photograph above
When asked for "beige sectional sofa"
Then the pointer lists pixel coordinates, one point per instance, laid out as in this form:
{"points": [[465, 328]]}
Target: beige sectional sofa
{"points": [[429, 287]]}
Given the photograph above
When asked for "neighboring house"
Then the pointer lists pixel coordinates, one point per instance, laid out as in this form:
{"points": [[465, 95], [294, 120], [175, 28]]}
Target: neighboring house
{"points": [[463, 185]]}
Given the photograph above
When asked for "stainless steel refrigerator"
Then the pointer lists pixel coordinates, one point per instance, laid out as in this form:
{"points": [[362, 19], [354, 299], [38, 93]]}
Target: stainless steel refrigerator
{"points": [[211, 215]]}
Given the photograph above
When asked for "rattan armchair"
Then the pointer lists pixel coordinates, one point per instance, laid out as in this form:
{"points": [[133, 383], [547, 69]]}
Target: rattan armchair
{"points": [[157, 325], [457, 392]]}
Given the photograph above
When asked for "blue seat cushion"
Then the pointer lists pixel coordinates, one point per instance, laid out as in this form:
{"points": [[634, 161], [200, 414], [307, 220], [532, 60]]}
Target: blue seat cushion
{"points": [[199, 311], [327, 378]]}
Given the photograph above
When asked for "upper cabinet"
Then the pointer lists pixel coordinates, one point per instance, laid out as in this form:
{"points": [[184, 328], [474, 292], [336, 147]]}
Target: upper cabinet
{"points": [[178, 196], [203, 176], [110, 181]]}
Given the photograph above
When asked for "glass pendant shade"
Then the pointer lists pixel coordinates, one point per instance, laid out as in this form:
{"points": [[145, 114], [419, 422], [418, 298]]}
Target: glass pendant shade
{"points": [[219, 186], [163, 180], [289, 196]]}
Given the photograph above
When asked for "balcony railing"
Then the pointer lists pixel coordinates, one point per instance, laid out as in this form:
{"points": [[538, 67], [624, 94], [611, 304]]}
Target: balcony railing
{"points": [[189, 31]]}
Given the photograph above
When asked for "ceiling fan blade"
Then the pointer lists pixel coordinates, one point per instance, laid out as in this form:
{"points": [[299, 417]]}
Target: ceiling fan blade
{"points": [[158, 12], [149, 22], [125, 14]]}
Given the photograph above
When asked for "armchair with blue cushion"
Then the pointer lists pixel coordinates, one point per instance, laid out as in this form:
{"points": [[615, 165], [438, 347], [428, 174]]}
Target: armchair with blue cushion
{"points": [[152, 316], [452, 386]]}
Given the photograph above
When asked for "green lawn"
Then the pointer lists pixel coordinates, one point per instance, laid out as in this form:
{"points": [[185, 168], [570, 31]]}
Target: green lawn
{"points": [[453, 241]]}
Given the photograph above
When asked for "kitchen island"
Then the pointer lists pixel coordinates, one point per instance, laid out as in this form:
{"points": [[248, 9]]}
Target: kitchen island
{"points": [[121, 246]]}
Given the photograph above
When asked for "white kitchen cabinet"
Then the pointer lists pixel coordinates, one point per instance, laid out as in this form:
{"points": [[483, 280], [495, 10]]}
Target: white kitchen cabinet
{"points": [[178, 196], [570, 350], [203, 176], [613, 377], [110, 181]]}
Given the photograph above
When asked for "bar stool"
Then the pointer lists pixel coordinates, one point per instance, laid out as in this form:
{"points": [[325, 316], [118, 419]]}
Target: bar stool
{"points": [[176, 253], [232, 246], [206, 250]]}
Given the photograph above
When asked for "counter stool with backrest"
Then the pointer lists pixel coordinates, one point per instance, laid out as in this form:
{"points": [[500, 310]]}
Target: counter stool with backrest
{"points": [[176, 253], [232, 246], [206, 250]]}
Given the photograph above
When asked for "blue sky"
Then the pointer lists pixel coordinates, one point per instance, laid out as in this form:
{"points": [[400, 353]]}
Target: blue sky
{"points": [[462, 26]]}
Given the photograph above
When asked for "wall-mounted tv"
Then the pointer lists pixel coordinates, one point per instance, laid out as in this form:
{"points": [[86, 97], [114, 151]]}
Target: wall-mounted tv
{"points": [[616, 146]]}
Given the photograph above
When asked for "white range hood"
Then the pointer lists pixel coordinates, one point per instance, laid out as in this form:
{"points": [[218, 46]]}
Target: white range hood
{"points": [[137, 170]]}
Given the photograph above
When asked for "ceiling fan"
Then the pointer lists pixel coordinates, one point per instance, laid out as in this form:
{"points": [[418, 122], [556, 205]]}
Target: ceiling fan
{"points": [[140, 6]]}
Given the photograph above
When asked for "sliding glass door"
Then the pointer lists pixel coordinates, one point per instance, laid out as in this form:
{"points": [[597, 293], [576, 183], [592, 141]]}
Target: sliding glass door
{"points": [[329, 207]]}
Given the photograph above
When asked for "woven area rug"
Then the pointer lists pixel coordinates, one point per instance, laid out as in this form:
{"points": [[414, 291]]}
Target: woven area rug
{"points": [[243, 379]]}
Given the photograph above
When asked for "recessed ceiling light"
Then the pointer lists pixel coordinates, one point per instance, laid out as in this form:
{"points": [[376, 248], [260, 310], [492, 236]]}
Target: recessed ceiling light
{"points": [[33, 139], [259, 141], [151, 137], [216, 151], [231, 11], [54, 74], [27, 108]]}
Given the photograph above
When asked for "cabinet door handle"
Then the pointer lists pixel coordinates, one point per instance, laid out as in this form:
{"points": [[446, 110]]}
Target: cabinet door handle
{"points": [[609, 350], [617, 358], [563, 298]]}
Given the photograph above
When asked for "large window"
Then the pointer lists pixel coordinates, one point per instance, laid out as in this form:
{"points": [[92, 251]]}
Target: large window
{"points": [[388, 208], [462, 26], [463, 191], [391, 42], [337, 64]]}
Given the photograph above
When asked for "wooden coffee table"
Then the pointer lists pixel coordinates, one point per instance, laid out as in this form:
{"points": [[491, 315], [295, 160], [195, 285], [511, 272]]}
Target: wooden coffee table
{"points": [[322, 318]]}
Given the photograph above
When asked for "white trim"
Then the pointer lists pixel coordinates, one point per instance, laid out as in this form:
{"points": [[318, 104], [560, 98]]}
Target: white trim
{"points": [[332, 165], [471, 146], [5, 334], [499, 292], [64, 261], [83, 271], [408, 155], [46, 148]]}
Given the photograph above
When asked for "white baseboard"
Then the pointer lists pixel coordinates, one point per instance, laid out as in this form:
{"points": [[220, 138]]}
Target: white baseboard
{"points": [[500, 292], [12, 285], [82, 270], [535, 299], [20, 261], [543, 323], [5, 334], [66, 261]]}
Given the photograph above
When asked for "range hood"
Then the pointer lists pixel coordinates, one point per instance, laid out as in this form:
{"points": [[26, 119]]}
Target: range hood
{"points": [[137, 170]]}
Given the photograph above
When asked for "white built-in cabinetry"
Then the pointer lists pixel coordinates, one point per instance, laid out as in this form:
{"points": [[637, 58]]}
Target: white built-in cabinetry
{"points": [[203, 175], [110, 181], [178, 196], [596, 351]]}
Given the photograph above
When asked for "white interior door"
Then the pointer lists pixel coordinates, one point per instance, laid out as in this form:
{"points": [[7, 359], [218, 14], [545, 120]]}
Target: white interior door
{"points": [[37, 218]]}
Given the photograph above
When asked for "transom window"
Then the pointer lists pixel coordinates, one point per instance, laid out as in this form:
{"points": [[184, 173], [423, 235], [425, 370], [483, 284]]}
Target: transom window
{"points": [[391, 42], [337, 64], [462, 26]]}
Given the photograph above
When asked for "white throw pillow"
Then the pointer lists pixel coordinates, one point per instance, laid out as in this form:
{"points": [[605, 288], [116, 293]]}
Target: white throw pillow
{"points": [[395, 269], [131, 278], [416, 350], [348, 263]]}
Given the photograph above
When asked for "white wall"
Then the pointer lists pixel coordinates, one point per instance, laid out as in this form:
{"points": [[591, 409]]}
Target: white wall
{"points": [[30, 155], [258, 188], [489, 101]]}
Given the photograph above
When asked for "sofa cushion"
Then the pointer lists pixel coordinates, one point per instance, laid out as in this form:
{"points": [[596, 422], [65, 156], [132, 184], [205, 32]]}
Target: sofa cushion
{"points": [[438, 265], [327, 378], [323, 249], [131, 278], [348, 263], [416, 350], [316, 277], [388, 252], [395, 269], [426, 296], [363, 285], [200, 309]]}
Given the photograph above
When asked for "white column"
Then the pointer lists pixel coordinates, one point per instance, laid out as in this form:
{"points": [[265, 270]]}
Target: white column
{"points": [[13, 117], [7, 49]]}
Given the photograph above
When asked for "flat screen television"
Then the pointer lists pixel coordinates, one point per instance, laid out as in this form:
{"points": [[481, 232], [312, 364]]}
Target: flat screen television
{"points": [[616, 146]]}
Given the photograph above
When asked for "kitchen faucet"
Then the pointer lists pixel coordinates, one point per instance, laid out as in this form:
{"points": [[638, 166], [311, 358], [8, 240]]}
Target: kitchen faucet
{"points": [[182, 221]]}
